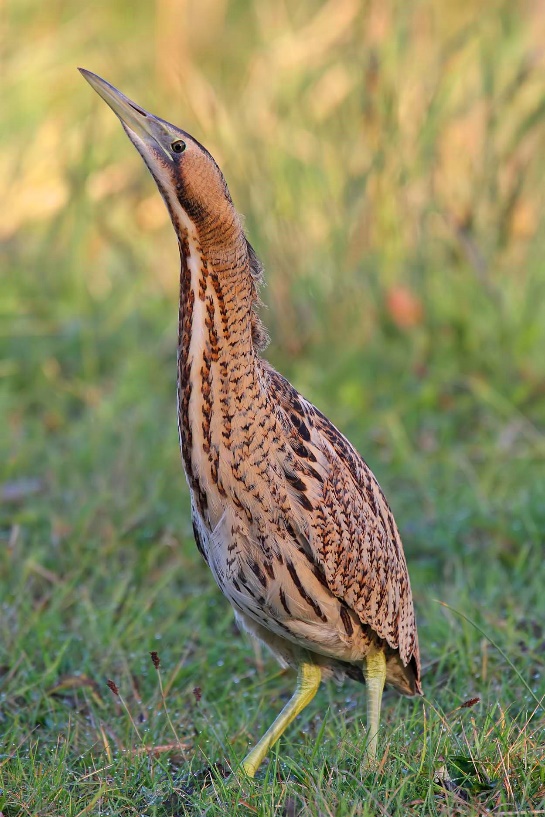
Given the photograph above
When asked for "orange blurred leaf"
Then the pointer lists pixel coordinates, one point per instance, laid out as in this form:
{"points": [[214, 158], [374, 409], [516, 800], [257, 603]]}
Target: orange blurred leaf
{"points": [[403, 306]]}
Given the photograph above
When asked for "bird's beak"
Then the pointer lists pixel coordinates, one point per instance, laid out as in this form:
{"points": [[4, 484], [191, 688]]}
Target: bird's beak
{"points": [[136, 121]]}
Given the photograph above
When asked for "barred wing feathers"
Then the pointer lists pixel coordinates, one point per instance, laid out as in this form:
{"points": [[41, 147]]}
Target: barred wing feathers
{"points": [[351, 529]]}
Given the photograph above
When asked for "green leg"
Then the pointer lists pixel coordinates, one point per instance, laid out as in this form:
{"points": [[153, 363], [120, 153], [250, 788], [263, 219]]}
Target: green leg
{"points": [[374, 671], [308, 681]]}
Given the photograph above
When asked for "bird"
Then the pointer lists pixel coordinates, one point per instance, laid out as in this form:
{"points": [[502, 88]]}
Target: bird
{"points": [[288, 516]]}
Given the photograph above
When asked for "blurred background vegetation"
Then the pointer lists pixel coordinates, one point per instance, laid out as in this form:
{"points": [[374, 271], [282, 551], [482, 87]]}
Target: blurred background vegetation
{"points": [[389, 159], [389, 162]]}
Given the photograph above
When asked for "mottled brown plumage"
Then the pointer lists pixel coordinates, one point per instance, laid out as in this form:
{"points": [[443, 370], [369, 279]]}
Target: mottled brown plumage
{"points": [[288, 516]]}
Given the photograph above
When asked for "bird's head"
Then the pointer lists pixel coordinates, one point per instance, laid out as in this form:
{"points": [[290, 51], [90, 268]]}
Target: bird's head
{"points": [[187, 176]]}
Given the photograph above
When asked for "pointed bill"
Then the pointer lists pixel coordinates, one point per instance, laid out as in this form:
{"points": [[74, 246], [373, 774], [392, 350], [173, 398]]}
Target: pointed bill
{"points": [[137, 122]]}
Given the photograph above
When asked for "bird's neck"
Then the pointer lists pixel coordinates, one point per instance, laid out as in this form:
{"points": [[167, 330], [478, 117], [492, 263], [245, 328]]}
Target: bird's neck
{"points": [[217, 370]]}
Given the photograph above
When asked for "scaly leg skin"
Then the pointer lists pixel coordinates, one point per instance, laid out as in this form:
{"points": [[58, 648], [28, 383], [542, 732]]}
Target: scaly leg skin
{"points": [[308, 681], [374, 671]]}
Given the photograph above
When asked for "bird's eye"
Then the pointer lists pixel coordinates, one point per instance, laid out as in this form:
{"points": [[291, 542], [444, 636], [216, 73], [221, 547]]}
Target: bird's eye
{"points": [[178, 146]]}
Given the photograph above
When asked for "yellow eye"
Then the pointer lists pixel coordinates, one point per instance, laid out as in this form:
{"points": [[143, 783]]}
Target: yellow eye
{"points": [[178, 146]]}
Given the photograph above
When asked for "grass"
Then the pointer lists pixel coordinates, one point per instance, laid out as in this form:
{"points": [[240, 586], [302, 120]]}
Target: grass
{"points": [[388, 159]]}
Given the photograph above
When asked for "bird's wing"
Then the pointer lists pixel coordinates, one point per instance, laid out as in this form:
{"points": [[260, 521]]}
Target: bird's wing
{"points": [[343, 516]]}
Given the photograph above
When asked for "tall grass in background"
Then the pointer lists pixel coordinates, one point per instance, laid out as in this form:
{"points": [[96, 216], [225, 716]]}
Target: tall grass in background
{"points": [[389, 160]]}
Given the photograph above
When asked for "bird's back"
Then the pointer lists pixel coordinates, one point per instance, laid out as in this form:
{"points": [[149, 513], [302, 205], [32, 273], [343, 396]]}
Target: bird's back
{"points": [[306, 547]]}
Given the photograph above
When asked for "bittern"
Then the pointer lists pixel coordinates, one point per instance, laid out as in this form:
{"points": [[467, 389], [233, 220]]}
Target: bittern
{"points": [[287, 515]]}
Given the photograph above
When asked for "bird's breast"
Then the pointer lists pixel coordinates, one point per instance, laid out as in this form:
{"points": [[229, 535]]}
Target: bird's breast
{"points": [[215, 362]]}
